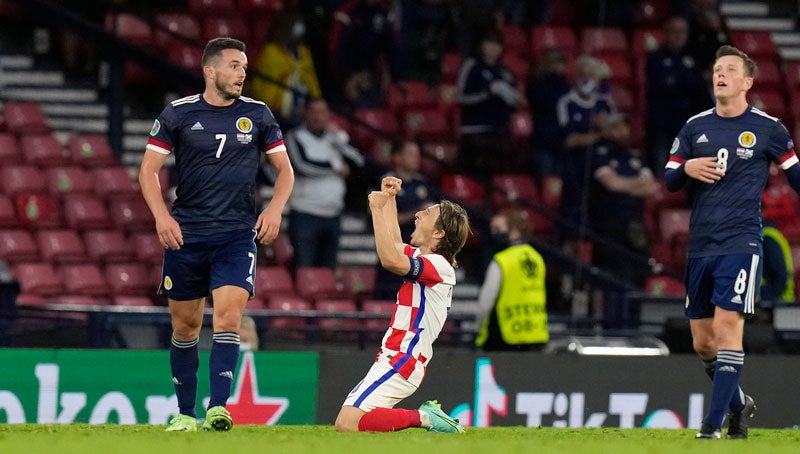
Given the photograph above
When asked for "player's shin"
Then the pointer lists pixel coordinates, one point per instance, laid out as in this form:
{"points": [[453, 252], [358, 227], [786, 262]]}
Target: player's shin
{"points": [[184, 362], [224, 356], [389, 420]]}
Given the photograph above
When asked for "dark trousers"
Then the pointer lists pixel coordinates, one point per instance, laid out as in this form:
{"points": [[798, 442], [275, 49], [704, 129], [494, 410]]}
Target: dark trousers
{"points": [[315, 239]]}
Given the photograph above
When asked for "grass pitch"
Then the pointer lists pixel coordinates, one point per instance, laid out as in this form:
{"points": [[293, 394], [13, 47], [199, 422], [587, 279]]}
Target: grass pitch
{"points": [[147, 439]]}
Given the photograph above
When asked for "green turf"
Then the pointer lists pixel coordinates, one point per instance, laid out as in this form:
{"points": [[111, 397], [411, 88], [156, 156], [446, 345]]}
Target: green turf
{"points": [[144, 439]]}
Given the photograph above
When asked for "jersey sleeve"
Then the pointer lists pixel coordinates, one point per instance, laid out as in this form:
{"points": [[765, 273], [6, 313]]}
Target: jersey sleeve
{"points": [[164, 131], [271, 135], [681, 151], [781, 147]]}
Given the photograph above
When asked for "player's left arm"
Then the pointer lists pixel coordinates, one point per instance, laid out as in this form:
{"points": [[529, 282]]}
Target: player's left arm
{"points": [[268, 224], [782, 152]]}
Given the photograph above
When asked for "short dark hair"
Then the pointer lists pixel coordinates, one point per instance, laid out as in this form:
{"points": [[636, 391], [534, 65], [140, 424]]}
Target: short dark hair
{"points": [[749, 65], [399, 145], [217, 45], [453, 220]]}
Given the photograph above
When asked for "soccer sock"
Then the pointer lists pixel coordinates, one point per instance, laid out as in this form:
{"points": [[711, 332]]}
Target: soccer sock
{"points": [[389, 420], [184, 361], [224, 356], [726, 384], [737, 401]]}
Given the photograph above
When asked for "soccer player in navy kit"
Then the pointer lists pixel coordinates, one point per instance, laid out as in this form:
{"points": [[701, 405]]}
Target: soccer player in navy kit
{"points": [[217, 138], [723, 156]]}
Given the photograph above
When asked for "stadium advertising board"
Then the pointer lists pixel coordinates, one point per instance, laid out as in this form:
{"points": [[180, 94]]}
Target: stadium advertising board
{"points": [[135, 387], [562, 390]]}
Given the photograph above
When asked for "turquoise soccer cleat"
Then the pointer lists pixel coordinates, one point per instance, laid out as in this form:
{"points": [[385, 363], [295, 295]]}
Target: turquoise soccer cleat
{"points": [[440, 421]]}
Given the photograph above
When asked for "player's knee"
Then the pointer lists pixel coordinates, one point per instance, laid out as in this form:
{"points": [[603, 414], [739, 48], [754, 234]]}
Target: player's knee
{"points": [[345, 424], [704, 348]]}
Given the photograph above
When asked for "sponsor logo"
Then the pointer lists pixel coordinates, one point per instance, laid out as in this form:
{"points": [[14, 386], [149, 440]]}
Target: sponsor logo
{"points": [[244, 124], [197, 127], [156, 127], [227, 374], [702, 139], [730, 369], [736, 299], [176, 381], [675, 144], [747, 139]]}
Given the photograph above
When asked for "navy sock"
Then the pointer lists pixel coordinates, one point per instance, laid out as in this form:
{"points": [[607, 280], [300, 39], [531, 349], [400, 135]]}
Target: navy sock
{"points": [[737, 401], [726, 384], [184, 361], [224, 356]]}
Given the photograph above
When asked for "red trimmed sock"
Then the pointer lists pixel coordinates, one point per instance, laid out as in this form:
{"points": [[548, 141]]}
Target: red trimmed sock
{"points": [[389, 420]]}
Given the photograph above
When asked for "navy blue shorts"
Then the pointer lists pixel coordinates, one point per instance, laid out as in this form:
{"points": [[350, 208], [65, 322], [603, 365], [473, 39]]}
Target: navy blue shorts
{"points": [[208, 262], [728, 281]]}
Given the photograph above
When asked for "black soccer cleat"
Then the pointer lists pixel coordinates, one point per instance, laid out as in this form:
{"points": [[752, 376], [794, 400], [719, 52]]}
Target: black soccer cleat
{"points": [[737, 422], [707, 431]]}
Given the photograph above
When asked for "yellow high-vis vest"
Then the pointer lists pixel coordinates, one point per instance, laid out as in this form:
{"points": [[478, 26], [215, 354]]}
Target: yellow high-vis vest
{"points": [[788, 292], [521, 303]]}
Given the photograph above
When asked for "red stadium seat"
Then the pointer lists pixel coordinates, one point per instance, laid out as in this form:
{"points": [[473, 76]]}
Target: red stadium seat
{"points": [[8, 216], [22, 179], [17, 245], [604, 40], [233, 26], [519, 66], [130, 27], [516, 40], [38, 211], [769, 74], [211, 7], [651, 13], [410, 93], [9, 150], [619, 69], [674, 222], [359, 281], [91, 150], [382, 120], [130, 214], [280, 250], [292, 327], [186, 55], [538, 223], [451, 63], [438, 158], [546, 37], [755, 43], [83, 279], [38, 278], [80, 300], [43, 150], [114, 181], [85, 212], [61, 246], [180, 25], [448, 97], [521, 126], [645, 40], [551, 192], [772, 102], [792, 75], [510, 189], [464, 189], [315, 283], [107, 246], [338, 327], [664, 286], [380, 307], [131, 301], [623, 100], [147, 247], [272, 281], [259, 7], [22, 117], [129, 279], [62, 181], [426, 124]]}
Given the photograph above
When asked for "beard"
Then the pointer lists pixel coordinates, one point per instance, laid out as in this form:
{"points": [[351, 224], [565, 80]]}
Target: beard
{"points": [[225, 93]]}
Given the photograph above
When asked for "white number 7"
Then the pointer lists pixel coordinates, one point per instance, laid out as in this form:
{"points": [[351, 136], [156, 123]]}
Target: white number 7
{"points": [[221, 138]]}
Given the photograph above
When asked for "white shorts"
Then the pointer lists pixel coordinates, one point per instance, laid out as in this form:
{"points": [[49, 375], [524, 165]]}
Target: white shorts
{"points": [[383, 387]]}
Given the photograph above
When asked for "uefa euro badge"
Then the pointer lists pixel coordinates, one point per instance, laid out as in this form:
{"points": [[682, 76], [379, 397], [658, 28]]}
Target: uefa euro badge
{"points": [[675, 144], [156, 127], [747, 139], [244, 124]]}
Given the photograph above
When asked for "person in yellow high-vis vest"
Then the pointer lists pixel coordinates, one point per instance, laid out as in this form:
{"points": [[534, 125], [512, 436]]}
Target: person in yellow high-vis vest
{"points": [[513, 297], [777, 279]]}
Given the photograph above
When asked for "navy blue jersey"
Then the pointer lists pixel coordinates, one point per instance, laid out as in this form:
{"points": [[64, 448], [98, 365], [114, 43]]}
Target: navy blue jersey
{"points": [[576, 114], [217, 151], [726, 217]]}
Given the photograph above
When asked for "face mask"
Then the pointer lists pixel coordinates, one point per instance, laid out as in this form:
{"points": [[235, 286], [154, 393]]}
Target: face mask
{"points": [[298, 30], [586, 87], [499, 241]]}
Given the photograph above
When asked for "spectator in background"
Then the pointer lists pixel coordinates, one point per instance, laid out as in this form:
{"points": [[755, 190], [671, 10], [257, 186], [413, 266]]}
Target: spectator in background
{"points": [[424, 35], [487, 95], [288, 69], [544, 88], [248, 334], [360, 51], [676, 90], [579, 112], [513, 297], [414, 196], [317, 151], [706, 33], [620, 183], [777, 279]]}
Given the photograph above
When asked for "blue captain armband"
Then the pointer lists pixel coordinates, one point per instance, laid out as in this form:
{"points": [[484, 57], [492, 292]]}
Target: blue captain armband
{"points": [[415, 271]]}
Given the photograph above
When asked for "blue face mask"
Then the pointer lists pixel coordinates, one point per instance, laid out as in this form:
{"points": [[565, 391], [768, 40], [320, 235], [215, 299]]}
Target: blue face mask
{"points": [[586, 87]]}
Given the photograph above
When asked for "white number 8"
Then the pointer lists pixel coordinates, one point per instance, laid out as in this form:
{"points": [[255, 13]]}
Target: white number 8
{"points": [[722, 159], [741, 282]]}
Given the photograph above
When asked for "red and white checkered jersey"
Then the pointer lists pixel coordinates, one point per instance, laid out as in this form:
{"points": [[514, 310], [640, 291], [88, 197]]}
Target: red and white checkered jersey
{"points": [[423, 302]]}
